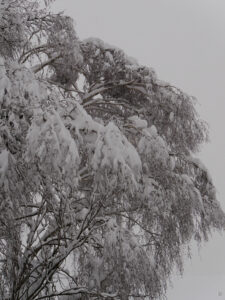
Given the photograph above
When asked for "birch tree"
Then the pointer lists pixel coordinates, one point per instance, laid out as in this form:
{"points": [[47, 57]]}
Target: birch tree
{"points": [[100, 189]]}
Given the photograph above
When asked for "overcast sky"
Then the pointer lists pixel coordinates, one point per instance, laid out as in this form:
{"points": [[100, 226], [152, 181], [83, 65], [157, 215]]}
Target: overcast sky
{"points": [[184, 41]]}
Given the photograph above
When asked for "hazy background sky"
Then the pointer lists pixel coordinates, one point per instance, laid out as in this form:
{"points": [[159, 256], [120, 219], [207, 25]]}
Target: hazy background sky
{"points": [[184, 41]]}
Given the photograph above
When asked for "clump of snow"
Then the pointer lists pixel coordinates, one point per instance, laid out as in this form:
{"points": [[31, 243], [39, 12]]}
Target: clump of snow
{"points": [[138, 122], [97, 52], [153, 130], [112, 224], [4, 156], [105, 46], [172, 163], [149, 186], [187, 179], [195, 161], [162, 83], [114, 150], [131, 60], [29, 87], [51, 143], [109, 56], [25, 89], [171, 116], [153, 147], [81, 120], [4, 81], [100, 43]]}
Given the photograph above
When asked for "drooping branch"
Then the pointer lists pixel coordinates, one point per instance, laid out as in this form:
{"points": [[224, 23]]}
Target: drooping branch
{"points": [[40, 66], [80, 291], [101, 88], [39, 49]]}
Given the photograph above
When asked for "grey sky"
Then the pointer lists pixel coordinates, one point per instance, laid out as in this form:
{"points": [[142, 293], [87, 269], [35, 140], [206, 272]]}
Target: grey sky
{"points": [[184, 41]]}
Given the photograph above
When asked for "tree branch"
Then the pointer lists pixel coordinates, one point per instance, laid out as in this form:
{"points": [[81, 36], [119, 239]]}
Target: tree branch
{"points": [[39, 67]]}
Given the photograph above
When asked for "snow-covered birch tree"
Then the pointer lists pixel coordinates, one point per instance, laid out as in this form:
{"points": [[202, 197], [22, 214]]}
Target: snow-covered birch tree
{"points": [[100, 190]]}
